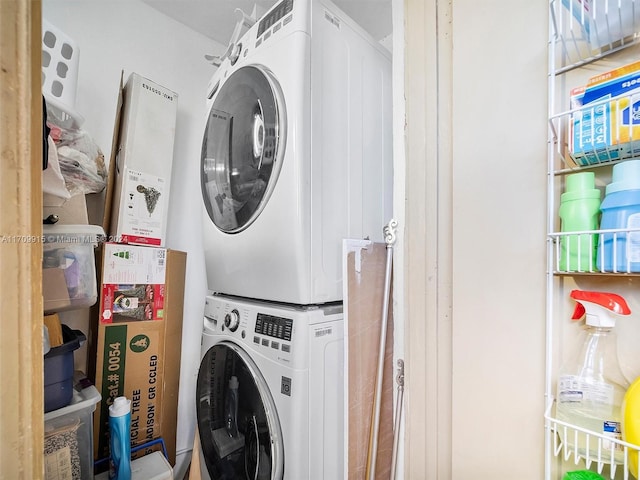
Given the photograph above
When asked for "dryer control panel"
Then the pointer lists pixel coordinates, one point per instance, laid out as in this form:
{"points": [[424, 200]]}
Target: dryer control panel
{"points": [[271, 18]]}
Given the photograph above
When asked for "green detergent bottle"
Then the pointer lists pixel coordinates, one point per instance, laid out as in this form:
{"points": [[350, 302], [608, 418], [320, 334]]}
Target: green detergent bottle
{"points": [[579, 212]]}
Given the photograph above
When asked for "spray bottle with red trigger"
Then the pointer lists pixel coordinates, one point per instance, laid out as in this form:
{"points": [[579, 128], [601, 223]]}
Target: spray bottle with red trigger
{"points": [[591, 386]]}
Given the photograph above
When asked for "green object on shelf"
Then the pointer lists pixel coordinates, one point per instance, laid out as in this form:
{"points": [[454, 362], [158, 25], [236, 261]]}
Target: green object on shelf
{"points": [[582, 475]]}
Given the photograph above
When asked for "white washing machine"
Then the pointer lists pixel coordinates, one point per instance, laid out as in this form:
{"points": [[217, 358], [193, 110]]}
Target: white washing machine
{"points": [[296, 155], [288, 367]]}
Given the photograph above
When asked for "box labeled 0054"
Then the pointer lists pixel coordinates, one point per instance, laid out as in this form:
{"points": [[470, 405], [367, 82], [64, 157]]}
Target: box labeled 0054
{"points": [[137, 357]]}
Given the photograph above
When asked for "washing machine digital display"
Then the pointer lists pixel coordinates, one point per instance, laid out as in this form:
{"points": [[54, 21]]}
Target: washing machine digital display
{"points": [[241, 149], [277, 327], [276, 14]]}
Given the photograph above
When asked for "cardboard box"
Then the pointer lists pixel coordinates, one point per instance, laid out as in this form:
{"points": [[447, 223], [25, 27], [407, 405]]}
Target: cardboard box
{"points": [[133, 279], [141, 360], [142, 162], [71, 212]]}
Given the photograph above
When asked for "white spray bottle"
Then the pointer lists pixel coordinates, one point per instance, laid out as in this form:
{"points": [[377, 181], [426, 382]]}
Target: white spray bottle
{"points": [[591, 385]]}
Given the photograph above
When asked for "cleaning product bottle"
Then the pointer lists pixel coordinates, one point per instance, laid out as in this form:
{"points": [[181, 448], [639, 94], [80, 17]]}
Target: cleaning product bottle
{"points": [[591, 386], [620, 252], [631, 423], [120, 439], [231, 407], [579, 211]]}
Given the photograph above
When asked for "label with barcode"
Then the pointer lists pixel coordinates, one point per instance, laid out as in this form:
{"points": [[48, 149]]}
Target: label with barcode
{"points": [[323, 331]]}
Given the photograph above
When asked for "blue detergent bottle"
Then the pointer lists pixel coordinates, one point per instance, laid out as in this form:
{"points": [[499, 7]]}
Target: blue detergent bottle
{"points": [[620, 251], [120, 439]]}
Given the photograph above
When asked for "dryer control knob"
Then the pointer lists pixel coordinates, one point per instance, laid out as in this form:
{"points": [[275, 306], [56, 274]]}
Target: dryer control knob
{"points": [[232, 320]]}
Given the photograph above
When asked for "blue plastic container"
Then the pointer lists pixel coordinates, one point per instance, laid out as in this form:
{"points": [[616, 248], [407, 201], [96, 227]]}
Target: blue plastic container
{"points": [[58, 370], [620, 208]]}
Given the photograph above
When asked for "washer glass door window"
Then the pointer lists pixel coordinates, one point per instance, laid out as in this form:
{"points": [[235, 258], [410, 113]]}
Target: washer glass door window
{"points": [[243, 147], [255, 451]]}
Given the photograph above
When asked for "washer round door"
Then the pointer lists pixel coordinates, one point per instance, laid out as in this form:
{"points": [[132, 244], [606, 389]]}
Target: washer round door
{"points": [[255, 450], [243, 148]]}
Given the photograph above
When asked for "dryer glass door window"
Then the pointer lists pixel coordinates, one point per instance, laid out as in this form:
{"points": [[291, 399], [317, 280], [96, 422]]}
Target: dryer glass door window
{"points": [[242, 149], [256, 449]]}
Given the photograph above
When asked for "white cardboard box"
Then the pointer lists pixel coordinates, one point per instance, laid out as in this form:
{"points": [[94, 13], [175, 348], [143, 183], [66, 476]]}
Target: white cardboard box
{"points": [[150, 467], [143, 163]]}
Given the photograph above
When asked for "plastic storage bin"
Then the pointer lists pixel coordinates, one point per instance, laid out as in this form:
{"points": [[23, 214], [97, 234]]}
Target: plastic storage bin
{"points": [[58, 370], [68, 438], [68, 266]]}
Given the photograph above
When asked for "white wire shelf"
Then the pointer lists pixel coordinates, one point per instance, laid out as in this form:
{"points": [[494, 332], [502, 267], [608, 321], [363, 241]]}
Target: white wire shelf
{"points": [[577, 252], [601, 133], [602, 454], [587, 30]]}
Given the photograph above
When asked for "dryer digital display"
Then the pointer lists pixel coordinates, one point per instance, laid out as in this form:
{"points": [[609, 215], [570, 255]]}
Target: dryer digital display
{"points": [[276, 14], [277, 327]]}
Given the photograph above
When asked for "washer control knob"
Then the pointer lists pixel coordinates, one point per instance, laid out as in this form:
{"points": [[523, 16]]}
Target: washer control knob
{"points": [[232, 320]]}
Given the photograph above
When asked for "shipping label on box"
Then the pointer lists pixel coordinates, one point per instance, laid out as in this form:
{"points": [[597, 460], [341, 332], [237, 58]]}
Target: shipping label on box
{"points": [[133, 283]]}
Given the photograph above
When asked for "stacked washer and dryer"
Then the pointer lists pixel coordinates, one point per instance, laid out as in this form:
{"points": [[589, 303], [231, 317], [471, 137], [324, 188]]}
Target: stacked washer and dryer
{"points": [[296, 157]]}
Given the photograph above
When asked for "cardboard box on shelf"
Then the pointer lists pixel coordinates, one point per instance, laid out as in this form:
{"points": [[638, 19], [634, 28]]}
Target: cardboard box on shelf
{"points": [[140, 359], [71, 212], [141, 162]]}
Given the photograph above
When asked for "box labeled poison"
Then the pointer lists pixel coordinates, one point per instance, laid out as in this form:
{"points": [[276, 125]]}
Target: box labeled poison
{"points": [[140, 358]]}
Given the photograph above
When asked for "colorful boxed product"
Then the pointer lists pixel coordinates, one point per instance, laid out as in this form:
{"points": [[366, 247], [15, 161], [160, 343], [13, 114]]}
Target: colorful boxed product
{"points": [[605, 123]]}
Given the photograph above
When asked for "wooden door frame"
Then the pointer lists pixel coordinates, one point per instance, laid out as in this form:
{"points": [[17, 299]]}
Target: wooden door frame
{"points": [[428, 256], [21, 365]]}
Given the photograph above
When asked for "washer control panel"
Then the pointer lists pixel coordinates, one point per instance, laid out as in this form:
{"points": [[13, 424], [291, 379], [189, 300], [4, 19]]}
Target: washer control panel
{"points": [[276, 327]]}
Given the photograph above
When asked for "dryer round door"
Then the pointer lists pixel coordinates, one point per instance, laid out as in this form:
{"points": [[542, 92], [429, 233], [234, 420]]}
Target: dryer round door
{"points": [[243, 148], [255, 451]]}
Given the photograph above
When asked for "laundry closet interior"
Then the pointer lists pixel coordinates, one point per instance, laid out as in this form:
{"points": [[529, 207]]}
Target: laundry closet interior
{"points": [[470, 125], [249, 160]]}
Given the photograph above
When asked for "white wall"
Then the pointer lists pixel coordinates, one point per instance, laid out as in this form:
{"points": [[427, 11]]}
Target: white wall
{"points": [[476, 90], [499, 204], [129, 35]]}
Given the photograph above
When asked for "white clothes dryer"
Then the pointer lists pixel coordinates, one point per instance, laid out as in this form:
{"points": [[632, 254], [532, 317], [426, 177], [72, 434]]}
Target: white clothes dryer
{"points": [[286, 364], [296, 155]]}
